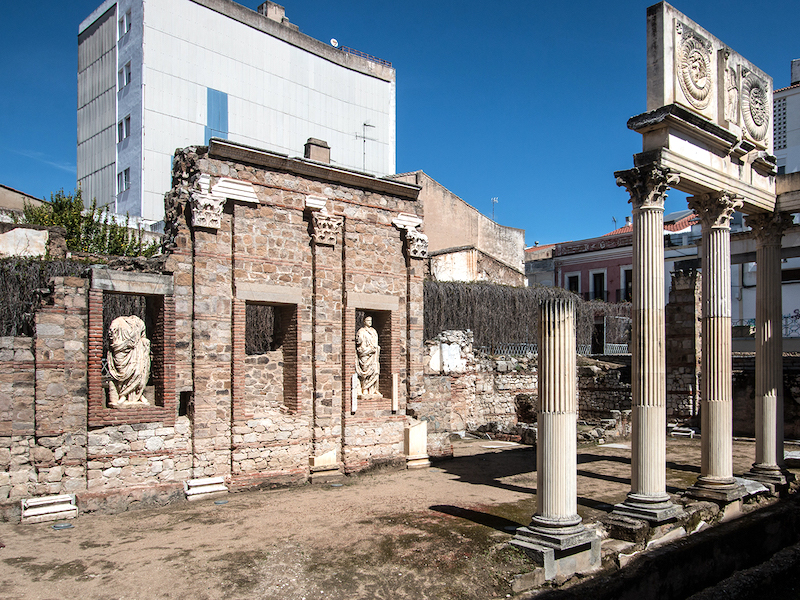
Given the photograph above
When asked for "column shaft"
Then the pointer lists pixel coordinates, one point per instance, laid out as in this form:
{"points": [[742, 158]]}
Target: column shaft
{"points": [[556, 459], [717, 370], [768, 467], [716, 480], [648, 380], [648, 498]]}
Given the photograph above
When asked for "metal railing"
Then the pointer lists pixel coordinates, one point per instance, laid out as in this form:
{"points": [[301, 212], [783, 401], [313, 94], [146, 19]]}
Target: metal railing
{"points": [[369, 57], [513, 349], [615, 349], [747, 327]]}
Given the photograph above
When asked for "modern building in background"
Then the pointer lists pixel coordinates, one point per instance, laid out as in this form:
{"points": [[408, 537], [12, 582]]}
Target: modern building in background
{"points": [[463, 244], [164, 74], [786, 131]]}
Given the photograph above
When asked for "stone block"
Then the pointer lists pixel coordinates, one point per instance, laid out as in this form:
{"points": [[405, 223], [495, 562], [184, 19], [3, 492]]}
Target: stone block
{"points": [[154, 444]]}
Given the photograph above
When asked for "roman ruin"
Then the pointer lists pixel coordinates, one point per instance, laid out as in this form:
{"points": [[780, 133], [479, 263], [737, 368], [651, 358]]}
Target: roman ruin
{"points": [[279, 338]]}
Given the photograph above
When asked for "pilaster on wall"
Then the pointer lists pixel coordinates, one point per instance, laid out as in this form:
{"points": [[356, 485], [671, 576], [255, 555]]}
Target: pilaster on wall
{"points": [[327, 307], [416, 261], [213, 349]]}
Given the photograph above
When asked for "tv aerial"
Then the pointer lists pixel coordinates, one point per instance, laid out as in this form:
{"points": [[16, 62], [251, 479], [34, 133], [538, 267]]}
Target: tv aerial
{"points": [[334, 42]]}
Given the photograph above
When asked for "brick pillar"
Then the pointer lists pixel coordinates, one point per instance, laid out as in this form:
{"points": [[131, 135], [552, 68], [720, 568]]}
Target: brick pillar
{"points": [[212, 345], [327, 318], [683, 345]]}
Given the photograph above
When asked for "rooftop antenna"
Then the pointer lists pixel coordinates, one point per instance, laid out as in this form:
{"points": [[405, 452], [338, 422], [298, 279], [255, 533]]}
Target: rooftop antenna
{"points": [[334, 42], [494, 201], [614, 220], [365, 138]]}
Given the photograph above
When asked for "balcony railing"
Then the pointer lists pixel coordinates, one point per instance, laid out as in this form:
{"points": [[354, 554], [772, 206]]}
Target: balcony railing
{"points": [[743, 328]]}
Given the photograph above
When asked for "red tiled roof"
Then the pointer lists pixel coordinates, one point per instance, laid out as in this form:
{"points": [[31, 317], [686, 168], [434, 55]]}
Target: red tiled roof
{"points": [[788, 87], [681, 224], [673, 227], [534, 248], [623, 229]]}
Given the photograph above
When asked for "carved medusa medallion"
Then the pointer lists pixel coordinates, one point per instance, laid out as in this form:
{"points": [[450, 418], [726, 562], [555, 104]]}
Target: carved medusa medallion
{"points": [[755, 107], [694, 70]]}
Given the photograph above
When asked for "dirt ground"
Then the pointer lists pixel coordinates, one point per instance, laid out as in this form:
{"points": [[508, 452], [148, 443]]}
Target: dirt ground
{"points": [[433, 533]]}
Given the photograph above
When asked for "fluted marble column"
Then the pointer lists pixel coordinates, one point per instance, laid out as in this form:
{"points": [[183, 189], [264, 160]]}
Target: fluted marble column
{"points": [[556, 524], [556, 456], [716, 481], [768, 229], [648, 498]]}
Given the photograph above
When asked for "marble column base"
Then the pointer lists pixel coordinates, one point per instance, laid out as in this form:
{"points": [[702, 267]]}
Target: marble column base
{"points": [[772, 476], [575, 549], [654, 509], [718, 490]]}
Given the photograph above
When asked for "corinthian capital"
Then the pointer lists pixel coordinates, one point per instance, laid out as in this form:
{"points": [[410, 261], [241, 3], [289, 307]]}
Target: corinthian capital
{"points": [[768, 228], [647, 185], [715, 209], [326, 228]]}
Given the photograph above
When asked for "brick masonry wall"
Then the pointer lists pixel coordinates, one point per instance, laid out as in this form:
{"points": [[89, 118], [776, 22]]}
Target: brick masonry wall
{"points": [[252, 419], [600, 391], [682, 317], [365, 258]]}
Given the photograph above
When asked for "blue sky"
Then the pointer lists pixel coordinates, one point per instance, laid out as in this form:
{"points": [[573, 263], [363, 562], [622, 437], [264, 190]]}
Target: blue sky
{"points": [[523, 101]]}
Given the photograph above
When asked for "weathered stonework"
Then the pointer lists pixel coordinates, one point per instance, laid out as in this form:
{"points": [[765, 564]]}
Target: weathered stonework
{"points": [[683, 345], [240, 231]]}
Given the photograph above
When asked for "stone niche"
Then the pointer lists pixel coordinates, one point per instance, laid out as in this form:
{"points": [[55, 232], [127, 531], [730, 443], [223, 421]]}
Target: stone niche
{"points": [[383, 311], [152, 296], [265, 319]]}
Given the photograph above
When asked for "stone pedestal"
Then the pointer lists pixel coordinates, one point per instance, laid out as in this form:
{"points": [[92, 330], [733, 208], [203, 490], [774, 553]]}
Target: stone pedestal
{"points": [[716, 480], [769, 466], [416, 445], [648, 498], [556, 538]]}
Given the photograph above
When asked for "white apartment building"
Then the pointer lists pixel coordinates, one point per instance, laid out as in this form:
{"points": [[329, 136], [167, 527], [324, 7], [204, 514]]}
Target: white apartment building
{"points": [[786, 131], [156, 75]]}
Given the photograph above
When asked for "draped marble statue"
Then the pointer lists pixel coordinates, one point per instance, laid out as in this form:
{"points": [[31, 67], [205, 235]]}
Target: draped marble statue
{"points": [[368, 366], [128, 361]]}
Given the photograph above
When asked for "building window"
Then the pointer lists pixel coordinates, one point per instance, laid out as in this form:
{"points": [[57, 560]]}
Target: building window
{"points": [[124, 128], [124, 24], [779, 126], [790, 275], [574, 284], [124, 75], [627, 286], [123, 180], [598, 285], [216, 115], [782, 170]]}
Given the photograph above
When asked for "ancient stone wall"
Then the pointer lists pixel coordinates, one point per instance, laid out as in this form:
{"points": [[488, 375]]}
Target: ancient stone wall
{"points": [[744, 385], [468, 392], [321, 247], [682, 315], [601, 390]]}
